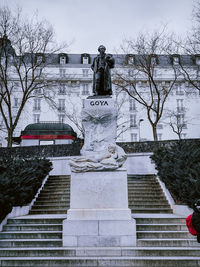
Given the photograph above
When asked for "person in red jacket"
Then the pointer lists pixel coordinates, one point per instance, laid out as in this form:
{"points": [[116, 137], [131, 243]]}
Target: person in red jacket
{"points": [[196, 218]]}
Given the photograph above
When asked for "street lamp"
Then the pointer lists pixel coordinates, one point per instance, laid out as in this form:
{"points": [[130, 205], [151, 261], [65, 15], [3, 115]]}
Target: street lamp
{"points": [[123, 132], [141, 120]]}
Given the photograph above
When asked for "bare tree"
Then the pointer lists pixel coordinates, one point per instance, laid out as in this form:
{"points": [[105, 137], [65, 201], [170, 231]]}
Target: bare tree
{"points": [[177, 122], [25, 46], [142, 67], [191, 47]]}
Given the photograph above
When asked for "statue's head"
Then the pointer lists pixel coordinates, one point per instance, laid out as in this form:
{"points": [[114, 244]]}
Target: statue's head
{"points": [[101, 48]]}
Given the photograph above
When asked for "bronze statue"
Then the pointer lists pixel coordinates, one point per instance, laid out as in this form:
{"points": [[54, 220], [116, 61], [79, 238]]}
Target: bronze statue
{"points": [[102, 78]]}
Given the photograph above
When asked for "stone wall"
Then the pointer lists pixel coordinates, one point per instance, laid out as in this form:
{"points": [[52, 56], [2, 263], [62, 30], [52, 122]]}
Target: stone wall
{"points": [[74, 149], [150, 146], [41, 151]]}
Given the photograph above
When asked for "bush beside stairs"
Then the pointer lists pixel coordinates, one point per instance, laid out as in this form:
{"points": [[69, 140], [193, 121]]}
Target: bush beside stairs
{"points": [[162, 237]]}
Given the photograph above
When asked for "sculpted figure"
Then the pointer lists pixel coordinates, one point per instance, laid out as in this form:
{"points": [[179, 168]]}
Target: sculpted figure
{"points": [[110, 159], [102, 77]]}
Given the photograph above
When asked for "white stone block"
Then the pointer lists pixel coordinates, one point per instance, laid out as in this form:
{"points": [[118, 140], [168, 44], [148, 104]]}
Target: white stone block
{"points": [[128, 241], [99, 252], [99, 190], [117, 227], [69, 241], [79, 228], [99, 241], [99, 214]]}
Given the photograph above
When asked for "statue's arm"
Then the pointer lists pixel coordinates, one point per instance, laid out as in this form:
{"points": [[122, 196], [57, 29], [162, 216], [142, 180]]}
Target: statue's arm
{"points": [[110, 60]]}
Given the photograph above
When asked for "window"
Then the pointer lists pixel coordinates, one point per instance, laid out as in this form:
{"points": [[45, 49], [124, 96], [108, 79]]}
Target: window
{"points": [[37, 104], [155, 104], [130, 60], [62, 72], [38, 91], [159, 126], [39, 59], [179, 90], [132, 104], [62, 60], [46, 142], [36, 118], [85, 72], [85, 90], [61, 104], [197, 60], [181, 120], [183, 135], [133, 120], [85, 60], [61, 118], [180, 107], [16, 102], [159, 135], [133, 137], [153, 60], [130, 73], [175, 60], [62, 89]]}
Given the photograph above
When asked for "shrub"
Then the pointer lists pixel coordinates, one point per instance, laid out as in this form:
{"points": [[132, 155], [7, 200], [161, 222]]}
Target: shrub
{"points": [[179, 168], [19, 182]]}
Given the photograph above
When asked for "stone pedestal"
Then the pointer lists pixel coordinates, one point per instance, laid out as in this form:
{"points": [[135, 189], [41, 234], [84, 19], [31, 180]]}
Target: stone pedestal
{"points": [[99, 214]]}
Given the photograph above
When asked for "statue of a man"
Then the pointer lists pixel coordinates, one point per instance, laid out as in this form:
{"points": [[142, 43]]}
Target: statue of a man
{"points": [[102, 78]]}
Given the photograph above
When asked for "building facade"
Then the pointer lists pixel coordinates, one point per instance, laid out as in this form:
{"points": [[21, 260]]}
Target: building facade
{"points": [[72, 82]]}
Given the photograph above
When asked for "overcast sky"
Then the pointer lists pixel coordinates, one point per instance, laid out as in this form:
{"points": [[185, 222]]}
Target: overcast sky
{"points": [[89, 23]]}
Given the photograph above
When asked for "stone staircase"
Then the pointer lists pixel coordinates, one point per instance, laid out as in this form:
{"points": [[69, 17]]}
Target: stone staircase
{"points": [[146, 196], [54, 198], [36, 239]]}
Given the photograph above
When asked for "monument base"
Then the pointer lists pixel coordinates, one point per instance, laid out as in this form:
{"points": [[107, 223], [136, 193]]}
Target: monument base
{"points": [[99, 233], [99, 215]]}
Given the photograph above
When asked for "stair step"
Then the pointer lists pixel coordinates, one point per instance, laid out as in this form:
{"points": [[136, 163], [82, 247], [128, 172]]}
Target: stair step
{"points": [[180, 242], [60, 198], [33, 227], [163, 234], [151, 210], [104, 251], [161, 227], [102, 261], [48, 211], [48, 207], [35, 221], [48, 203], [31, 235], [169, 221], [30, 243], [151, 206]]}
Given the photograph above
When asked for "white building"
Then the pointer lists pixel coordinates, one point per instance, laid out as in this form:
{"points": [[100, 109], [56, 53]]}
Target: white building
{"points": [[73, 76]]}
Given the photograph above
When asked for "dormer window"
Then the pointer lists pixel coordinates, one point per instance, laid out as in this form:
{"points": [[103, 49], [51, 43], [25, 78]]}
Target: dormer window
{"points": [[63, 59], [175, 59], [197, 60], [39, 58], [130, 59], [154, 59], [85, 58]]}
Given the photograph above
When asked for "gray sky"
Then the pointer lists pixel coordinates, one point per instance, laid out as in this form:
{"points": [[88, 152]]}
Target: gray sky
{"points": [[90, 23]]}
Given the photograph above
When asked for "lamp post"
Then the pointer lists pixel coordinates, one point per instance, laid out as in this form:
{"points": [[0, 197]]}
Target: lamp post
{"points": [[141, 120], [123, 132]]}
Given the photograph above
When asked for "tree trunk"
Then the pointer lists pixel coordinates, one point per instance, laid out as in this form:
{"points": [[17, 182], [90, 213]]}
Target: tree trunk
{"points": [[9, 141], [155, 137]]}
